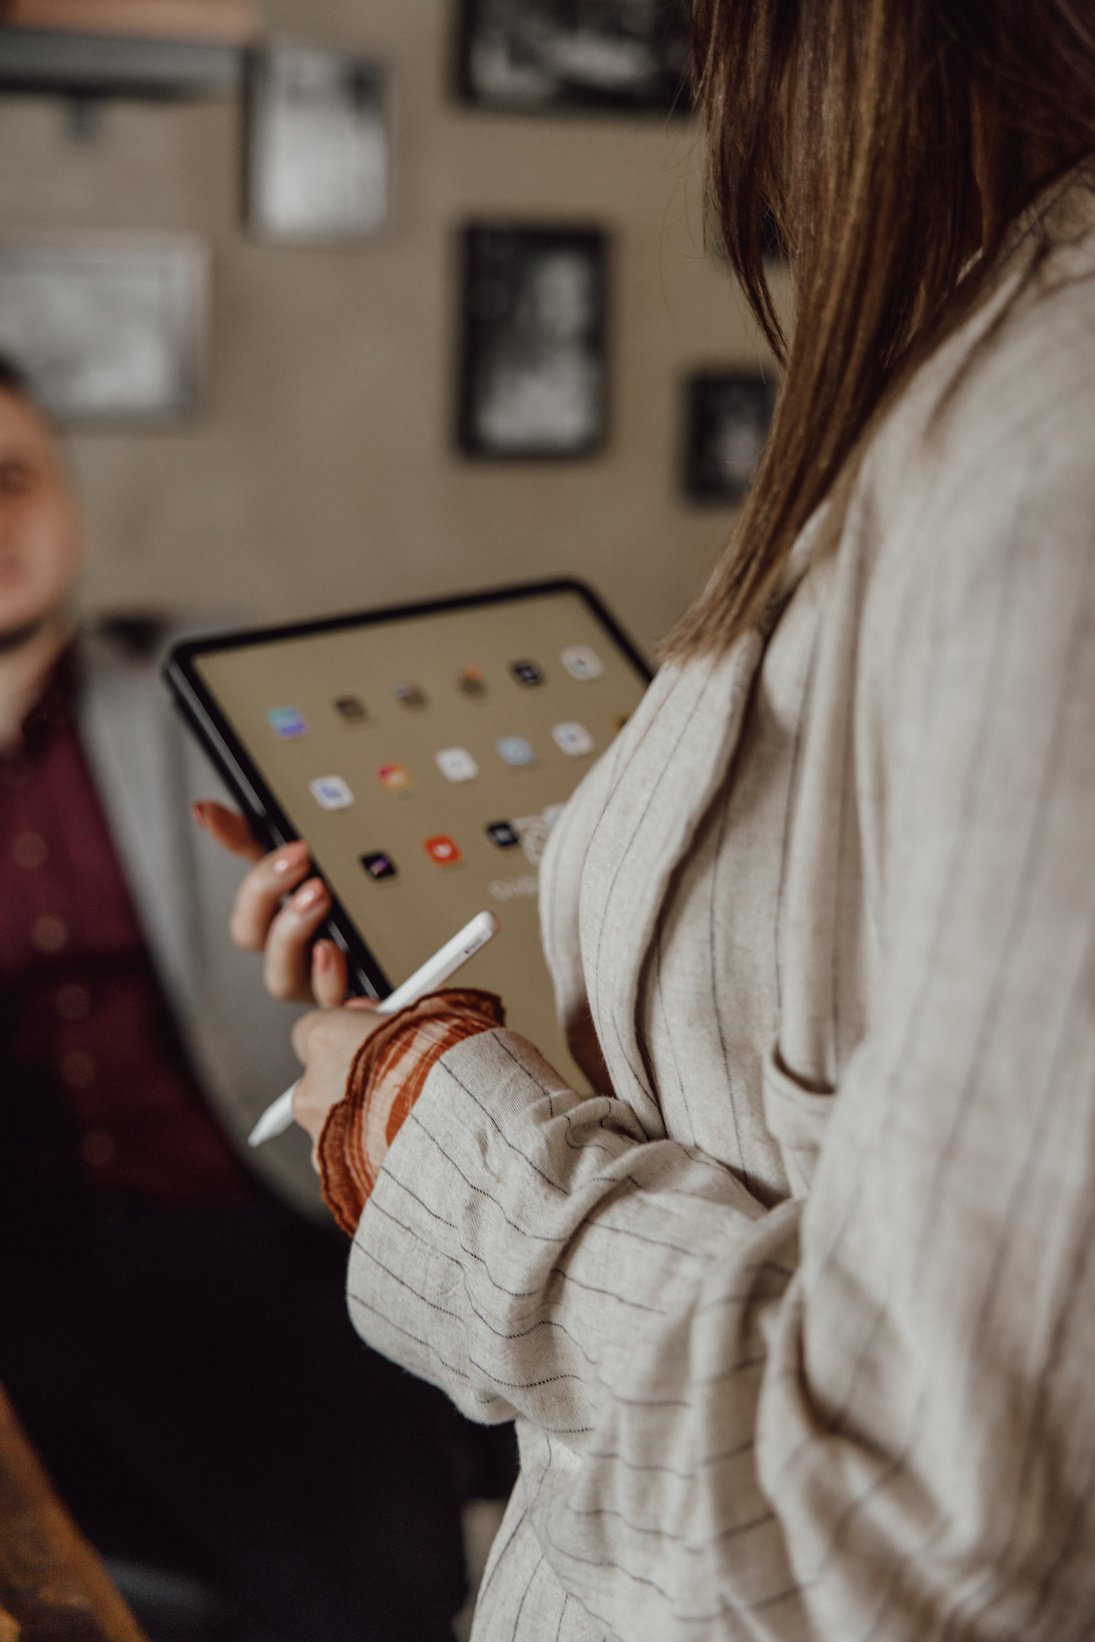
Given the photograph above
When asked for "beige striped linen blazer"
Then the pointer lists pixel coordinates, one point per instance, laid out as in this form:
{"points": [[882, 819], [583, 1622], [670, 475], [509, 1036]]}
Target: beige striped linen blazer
{"points": [[797, 1319]]}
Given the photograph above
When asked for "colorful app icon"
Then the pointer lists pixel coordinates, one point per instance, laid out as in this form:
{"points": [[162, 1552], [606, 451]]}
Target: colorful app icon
{"points": [[379, 865], [331, 792], [471, 681], [573, 739], [351, 709], [396, 777], [286, 722], [515, 749], [443, 850], [582, 662], [503, 833], [526, 672], [411, 695], [456, 764]]}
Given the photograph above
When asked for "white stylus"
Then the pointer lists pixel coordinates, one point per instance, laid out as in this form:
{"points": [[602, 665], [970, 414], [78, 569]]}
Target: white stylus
{"points": [[433, 973]]}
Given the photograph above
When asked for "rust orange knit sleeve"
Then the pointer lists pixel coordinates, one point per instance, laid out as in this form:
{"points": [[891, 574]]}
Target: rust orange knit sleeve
{"points": [[387, 1076]]}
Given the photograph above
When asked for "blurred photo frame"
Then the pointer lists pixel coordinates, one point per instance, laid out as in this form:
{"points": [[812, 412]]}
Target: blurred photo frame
{"points": [[533, 372], [547, 56], [107, 328], [728, 415], [317, 166]]}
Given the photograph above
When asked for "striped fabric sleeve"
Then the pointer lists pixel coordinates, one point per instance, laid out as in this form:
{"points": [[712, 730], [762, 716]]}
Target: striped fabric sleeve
{"points": [[386, 1078]]}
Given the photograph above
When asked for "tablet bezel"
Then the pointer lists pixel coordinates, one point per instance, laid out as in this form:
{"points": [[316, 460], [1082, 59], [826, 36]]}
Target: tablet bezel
{"points": [[268, 821]]}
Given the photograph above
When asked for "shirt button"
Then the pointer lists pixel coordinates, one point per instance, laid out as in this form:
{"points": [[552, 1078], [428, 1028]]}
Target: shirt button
{"points": [[97, 1149], [77, 1068], [49, 933], [30, 850], [72, 1002]]}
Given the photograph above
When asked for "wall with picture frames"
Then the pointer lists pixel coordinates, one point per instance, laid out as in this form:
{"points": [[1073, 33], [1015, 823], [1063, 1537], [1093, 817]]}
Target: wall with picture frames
{"points": [[429, 311]]}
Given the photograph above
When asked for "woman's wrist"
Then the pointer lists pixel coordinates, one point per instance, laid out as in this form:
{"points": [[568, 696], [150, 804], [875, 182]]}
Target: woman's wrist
{"points": [[387, 1076]]}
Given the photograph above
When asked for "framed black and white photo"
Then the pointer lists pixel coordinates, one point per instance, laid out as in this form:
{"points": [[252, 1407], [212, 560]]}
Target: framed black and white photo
{"points": [[529, 56], [107, 328], [533, 370], [317, 145], [728, 415]]}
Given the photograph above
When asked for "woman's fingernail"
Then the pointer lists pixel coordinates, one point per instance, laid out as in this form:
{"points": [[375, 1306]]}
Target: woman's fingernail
{"points": [[200, 812], [321, 956], [289, 857], [308, 896]]}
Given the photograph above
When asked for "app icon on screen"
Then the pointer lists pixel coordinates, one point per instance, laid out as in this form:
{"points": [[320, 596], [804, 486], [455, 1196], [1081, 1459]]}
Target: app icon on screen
{"points": [[503, 833], [532, 830], [331, 792], [443, 850], [411, 695], [351, 709], [396, 777], [515, 749], [582, 662], [456, 764], [471, 681], [526, 672], [286, 722], [573, 739], [379, 865]]}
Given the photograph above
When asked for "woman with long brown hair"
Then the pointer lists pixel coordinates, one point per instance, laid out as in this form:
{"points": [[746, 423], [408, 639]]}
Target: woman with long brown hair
{"points": [[797, 1318]]}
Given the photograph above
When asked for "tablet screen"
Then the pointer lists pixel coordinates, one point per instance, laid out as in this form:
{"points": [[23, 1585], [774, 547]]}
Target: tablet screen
{"points": [[425, 756]]}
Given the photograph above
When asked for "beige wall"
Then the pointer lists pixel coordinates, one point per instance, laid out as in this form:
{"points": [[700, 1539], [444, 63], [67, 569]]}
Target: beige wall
{"points": [[321, 474]]}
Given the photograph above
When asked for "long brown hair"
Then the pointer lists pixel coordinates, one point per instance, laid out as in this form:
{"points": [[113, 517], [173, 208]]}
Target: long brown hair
{"points": [[850, 123]]}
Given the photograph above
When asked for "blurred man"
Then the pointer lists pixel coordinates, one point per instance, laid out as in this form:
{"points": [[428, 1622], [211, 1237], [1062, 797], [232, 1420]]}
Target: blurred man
{"points": [[162, 1309]]}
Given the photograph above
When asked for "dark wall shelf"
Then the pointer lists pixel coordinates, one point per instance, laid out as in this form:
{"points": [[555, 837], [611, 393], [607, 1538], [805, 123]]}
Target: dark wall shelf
{"points": [[102, 65]]}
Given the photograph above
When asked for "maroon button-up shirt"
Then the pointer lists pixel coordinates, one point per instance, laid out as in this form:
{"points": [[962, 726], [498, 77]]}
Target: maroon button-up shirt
{"points": [[85, 1032]]}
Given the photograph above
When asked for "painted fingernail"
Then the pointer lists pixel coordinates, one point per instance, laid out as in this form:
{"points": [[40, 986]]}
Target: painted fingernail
{"points": [[200, 812], [289, 857], [308, 896]]}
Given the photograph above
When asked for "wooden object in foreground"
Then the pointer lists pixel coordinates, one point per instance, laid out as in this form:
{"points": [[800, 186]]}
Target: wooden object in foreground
{"points": [[53, 1588], [226, 22]]}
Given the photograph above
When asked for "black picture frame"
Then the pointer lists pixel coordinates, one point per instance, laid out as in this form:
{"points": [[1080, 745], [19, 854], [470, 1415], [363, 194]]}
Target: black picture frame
{"points": [[728, 415], [551, 56], [533, 369], [317, 148]]}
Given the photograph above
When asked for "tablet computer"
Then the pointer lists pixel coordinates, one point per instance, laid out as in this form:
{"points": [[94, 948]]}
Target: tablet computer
{"points": [[424, 753]]}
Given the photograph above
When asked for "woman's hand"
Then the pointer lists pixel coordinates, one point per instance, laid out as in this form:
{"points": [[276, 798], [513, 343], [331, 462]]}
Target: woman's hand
{"points": [[325, 1042], [279, 909]]}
